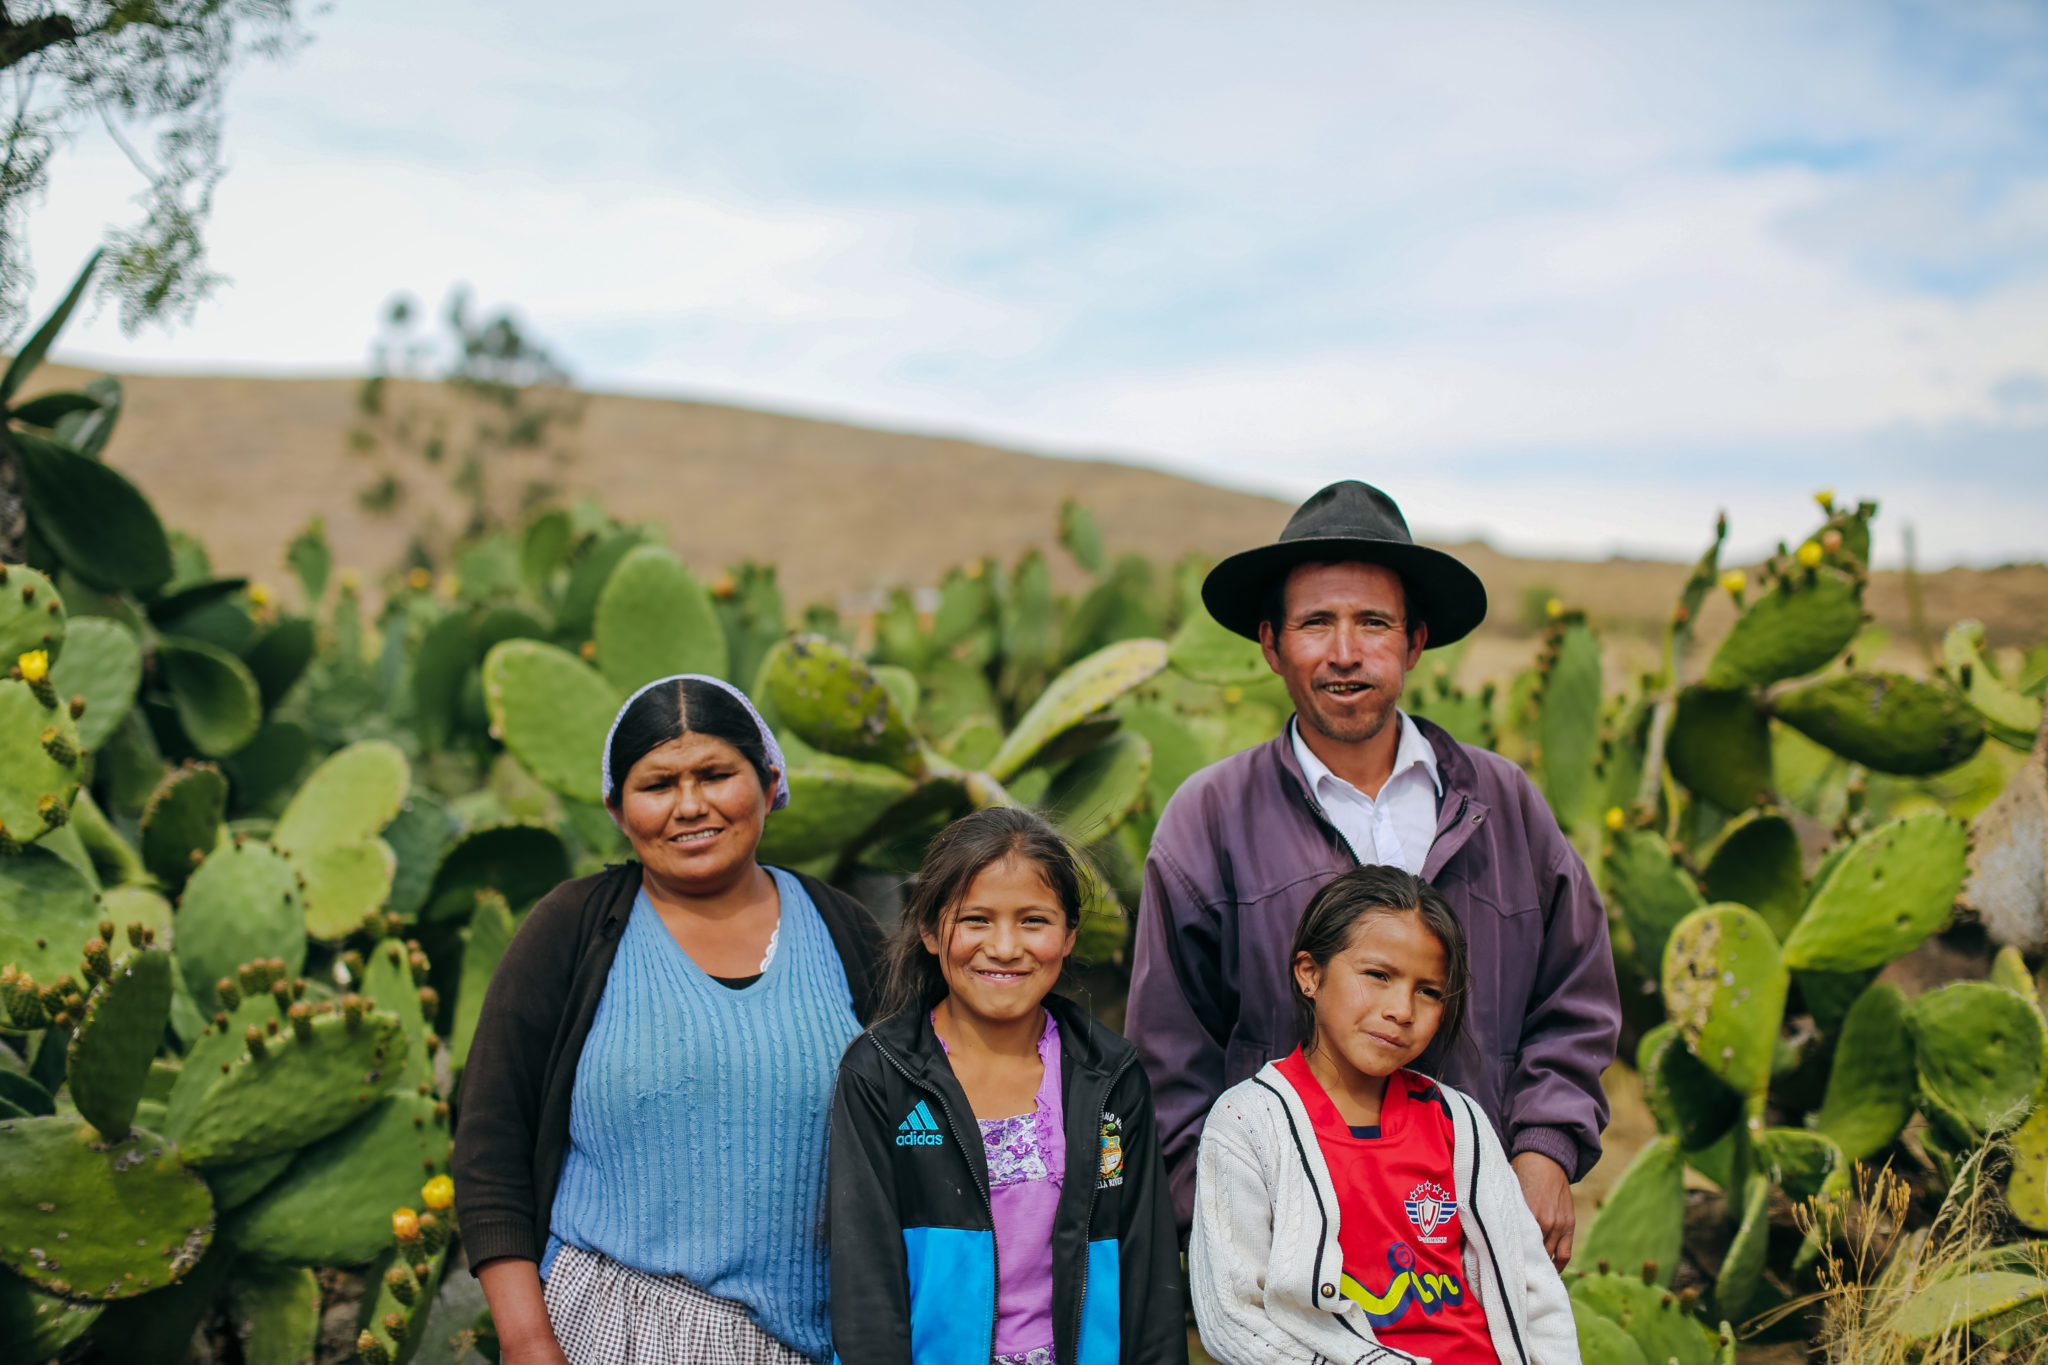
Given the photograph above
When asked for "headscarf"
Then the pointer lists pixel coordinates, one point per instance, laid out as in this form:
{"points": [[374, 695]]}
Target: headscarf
{"points": [[777, 801]]}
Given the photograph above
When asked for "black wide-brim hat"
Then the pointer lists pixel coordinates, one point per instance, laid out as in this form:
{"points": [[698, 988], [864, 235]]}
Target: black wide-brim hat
{"points": [[1344, 523]]}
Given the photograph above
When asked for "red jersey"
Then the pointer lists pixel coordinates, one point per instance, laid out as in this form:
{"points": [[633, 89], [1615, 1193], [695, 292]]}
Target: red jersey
{"points": [[1397, 1217]]}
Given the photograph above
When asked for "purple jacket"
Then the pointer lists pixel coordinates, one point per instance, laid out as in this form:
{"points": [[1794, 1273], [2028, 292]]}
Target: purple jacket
{"points": [[1239, 851]]}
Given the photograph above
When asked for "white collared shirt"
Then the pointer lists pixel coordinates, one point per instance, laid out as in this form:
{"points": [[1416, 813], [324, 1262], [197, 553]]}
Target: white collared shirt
{"points": [[1400, 825]]}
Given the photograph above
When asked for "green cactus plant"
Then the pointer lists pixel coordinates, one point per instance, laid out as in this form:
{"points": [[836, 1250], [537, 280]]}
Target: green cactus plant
{"points": [[1887, 891], [275, 1310], [31, 614], [1805, 618], [1870, 1086], [39, 756], [1887, 722], [1651, 891], [1642, 1220], [1658, 1322], [836, 703], [1568, 724], [294, 1087], [217, 701], [1076, 695], [654, 618], [2011, 716], [120, 1032], [1720, 746], [245, 899], [551, 711], [1757, 862], [101, 663], [182, 822], [1725, 983], [1977, 1052]]}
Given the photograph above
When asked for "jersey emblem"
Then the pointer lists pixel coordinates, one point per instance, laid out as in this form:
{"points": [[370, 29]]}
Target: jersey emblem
{"points": [[1430, 1207], [1110, 1171]]}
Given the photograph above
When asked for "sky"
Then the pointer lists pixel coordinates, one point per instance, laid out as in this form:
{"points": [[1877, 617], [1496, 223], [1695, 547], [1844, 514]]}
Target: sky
{"points": [[1569, 277]]}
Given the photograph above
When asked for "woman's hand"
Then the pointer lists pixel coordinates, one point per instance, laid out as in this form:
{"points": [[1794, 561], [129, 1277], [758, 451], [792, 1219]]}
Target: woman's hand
{"points": [[520, 1313]]}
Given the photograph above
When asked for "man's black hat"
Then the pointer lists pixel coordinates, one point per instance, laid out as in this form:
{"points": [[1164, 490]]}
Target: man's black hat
{"points": [[1349, 521]]}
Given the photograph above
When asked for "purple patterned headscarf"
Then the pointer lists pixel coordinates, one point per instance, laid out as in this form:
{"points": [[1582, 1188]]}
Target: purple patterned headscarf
{"points": [[777, 801]]}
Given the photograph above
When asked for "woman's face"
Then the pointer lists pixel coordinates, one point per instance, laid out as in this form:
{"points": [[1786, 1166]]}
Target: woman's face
{"points": [[1379, 1001], [693, 809], [1003, 943]]}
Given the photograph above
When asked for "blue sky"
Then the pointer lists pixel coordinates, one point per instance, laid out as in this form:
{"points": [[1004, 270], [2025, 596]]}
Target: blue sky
{"points": [[1570, 276]]}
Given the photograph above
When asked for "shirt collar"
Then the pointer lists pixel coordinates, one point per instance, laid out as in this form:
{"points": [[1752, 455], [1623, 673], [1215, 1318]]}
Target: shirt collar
{"points": [[1412, 749]]}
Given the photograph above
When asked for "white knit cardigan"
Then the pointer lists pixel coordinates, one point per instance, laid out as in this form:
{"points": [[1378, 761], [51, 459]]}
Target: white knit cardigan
{"points": [[1264, 1259]]}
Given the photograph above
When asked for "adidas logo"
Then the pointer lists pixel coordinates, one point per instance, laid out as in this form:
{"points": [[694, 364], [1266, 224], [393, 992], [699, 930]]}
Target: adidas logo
{"points": [[919, 1130]]}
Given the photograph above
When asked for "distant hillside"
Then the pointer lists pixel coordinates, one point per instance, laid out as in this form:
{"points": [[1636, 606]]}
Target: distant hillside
{"points": [[244, 463]]}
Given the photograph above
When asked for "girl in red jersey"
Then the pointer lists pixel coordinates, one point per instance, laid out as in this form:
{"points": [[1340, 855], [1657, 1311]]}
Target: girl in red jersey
{"points": [[1349, 1209]]}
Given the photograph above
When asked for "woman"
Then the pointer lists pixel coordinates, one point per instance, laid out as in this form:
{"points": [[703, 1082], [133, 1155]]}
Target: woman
{"points": [[640, 1157]]}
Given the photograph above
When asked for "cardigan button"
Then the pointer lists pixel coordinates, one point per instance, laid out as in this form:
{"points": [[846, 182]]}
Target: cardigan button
{"points": [[1329, 1291]]}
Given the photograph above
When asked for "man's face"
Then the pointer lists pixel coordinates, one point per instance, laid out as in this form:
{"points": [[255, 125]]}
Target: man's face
{"points": [[1344, 647]]}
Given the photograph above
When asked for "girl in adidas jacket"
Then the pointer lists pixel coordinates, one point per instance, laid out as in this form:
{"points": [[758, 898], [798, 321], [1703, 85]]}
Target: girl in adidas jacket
{"points": [[1348, 1209], [996, 1195]]}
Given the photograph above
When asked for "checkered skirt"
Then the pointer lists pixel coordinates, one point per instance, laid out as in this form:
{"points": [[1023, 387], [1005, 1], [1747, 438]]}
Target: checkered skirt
{"points": [[605, 1313]]}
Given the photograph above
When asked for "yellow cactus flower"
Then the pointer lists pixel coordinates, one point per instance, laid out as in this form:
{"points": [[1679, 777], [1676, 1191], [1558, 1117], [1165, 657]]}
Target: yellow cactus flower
{"points": [[723, 587], [405, 1225], [418, 579], [1809, 554], [1616, 818], [34, 665], [438, 1193], [974, 570], [1232, 695], [1735, 580], [1554, 608], [1826, 498], [588, 649], [350, 580], [259, 596]]}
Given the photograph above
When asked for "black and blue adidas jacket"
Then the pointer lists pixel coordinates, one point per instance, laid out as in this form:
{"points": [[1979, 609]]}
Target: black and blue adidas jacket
{"points": [[914, 1266]]}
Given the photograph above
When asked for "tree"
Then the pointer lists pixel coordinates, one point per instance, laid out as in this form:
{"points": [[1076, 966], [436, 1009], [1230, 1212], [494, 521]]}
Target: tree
{"points": [[150, 66]]}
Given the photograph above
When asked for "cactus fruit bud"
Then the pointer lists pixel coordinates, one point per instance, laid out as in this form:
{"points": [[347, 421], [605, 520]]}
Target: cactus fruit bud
{"points": [[1688, 1299], [422, 1270], [352, 1011], [1554, 608], [438, 1193], [417, 960], [10, 847], [23, 1001], [99, 963], [432, 1042], [588, 651], [54, 813], [723, 587], [433, 1231], [60, 749], [402, 1285], [1649, 1272], [352, 961], [405, 1225], [430, 1001], [1734, 581], [298, 988], [1603, 1266], [394, 927], [62, 1021], [281, 992], [394, 1325], [1831, 540], [1616, 818], [251, 977], [138, 934], [220, 1021], [253, 1036], [302, 1021], [230, 994], [371, 1351], [1809, 555], [77, 706]]}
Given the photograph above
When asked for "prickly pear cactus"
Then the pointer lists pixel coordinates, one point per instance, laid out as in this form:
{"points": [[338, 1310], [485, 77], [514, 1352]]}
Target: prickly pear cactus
{"points": [[834, 702], [119, 1034], [295, 1086], [1653, 893], [1642, 1220], [219, 705], [1691, 1104], [1803, 619], [1568, 724], [1870, 1086], [1887, 722], [31, 614], [653, 619], [349, 798], [89, 1219], [1757, 862], [244, 900], [47, 909], [1742, 1269], [39, 755], [1660, 1323], [1977, 1049], [181, 824], [2012, 716], [1074, 696], [1720, 746], [552, 712], [1091, 795], [1882, 897], [101, 663], [1725, 986], [832, 802]]}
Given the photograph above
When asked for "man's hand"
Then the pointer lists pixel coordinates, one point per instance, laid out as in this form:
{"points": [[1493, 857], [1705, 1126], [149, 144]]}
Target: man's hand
{"points": [[1548, 1192]]}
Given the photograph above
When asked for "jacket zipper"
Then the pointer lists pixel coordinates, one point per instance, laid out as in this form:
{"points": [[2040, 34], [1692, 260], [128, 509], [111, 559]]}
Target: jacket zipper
{"points": [[1088, 1217], [987, 1204]]}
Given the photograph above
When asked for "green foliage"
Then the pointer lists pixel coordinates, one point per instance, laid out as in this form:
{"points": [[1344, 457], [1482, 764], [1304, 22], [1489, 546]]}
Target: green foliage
{"points": [[1888, 891], [121, 1030], [1870, 1086], [653, 619]]}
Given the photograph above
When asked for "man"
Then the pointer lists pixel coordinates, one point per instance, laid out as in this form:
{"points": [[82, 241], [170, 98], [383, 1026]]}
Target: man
{"points": [[1343, 605]]}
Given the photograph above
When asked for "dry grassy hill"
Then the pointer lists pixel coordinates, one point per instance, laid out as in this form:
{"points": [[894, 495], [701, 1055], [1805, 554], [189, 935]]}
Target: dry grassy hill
{"points": [[244, 463]]}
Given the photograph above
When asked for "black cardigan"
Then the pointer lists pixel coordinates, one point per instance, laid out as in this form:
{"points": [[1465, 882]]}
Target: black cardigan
{"points": [[512, 1125]]}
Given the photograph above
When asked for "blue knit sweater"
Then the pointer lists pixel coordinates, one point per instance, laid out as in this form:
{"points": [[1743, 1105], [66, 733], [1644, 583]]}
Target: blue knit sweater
{"points": [[698, 1120]]}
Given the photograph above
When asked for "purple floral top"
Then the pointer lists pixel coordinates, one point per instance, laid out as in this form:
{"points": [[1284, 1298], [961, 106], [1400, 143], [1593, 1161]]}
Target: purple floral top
{"points": [[1027, 1165]]}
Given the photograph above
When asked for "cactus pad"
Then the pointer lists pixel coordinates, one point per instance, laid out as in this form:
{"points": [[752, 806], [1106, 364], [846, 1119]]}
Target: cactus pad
{"points": [[1870, 1086], [298, 1093], [103, 664], [1656, 1322], [1757, 862], [1795, 627], [47, 910], [216, 697], [345, 882], [1092, 794], [121, 1031], [2027, 1192], [243, 902], [38, 1326], [831, 803], [1887, 722], [1603, 1342], [835, 703], [2013, 716], [1890, 890], [1652, 892], [1949, 1304], [551, 711], [1720, 746], [1074, 696], [1725, 986], [1977, 1051], [1568, 726], [1742, 1269], [653, 619], [181, 823], [388, 979], [334, 1205], [347, 799], [1208, 652], [489, 935], [522, 863], [132, 1218], [1690, 1103], [276, 1312], [1643, 1217], [39, 770], [31, 615]]}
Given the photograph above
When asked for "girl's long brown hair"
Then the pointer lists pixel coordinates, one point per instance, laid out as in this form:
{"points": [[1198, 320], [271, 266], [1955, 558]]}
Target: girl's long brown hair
{"points": [[1376, 889]]}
